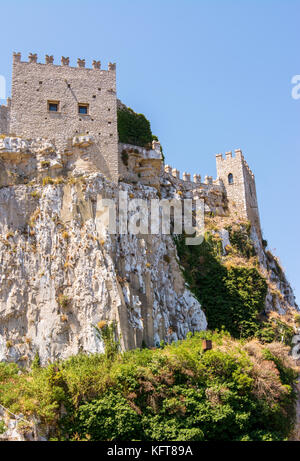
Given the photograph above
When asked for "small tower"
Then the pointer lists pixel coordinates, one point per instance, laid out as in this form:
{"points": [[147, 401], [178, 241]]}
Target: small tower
{"points": [[239, 183]]}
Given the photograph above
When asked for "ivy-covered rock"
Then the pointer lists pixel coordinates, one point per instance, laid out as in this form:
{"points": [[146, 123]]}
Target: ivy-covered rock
{"points": [[231, 296]]}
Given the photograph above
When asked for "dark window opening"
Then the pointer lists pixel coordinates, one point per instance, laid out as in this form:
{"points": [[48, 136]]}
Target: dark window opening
{"points": [[230, 178], [83, 109], [53, 106]]}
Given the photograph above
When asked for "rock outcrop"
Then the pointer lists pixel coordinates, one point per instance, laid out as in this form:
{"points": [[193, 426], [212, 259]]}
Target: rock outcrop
{"points": [[59, 276]]}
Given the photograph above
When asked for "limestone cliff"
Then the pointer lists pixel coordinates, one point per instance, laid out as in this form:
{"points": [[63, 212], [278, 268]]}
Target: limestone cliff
{"points": [[60, 274]]}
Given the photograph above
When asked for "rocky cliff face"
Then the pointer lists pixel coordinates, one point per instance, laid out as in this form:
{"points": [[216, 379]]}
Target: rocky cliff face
{"points": [[60, 273], [60, 276]]}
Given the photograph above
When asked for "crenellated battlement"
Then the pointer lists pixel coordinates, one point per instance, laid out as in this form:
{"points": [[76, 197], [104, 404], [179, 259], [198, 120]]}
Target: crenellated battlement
{"points": [[186, 177], [238, 156], [64, 62], [58, 102]]}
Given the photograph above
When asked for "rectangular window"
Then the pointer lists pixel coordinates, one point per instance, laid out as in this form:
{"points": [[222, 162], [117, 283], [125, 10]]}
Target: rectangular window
{"points": [[83, 109], [53, 106]]}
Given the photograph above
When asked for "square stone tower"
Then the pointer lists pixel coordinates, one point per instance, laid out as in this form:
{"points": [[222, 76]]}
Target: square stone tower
{"points": [[239, 183], [58, 102]]}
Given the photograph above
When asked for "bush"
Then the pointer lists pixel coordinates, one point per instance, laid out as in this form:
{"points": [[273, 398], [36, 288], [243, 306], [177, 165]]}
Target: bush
{"points": [[240, 240], [134, 128], [236, 391], [231, 297], [276, 330], [297, 319], [108, 334]]}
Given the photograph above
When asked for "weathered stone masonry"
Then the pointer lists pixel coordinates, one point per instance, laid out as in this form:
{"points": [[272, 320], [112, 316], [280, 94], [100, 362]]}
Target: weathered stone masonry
{"points": [[35, 85], [239, 183]]}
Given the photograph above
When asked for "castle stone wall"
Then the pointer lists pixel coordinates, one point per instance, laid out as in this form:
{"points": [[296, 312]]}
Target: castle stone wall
{"points": [[35, 84], [4, 117], [251, 198]]}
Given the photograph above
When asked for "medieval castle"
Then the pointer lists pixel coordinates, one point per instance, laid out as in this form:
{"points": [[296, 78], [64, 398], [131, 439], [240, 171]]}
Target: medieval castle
{"points": [[77, 107]]}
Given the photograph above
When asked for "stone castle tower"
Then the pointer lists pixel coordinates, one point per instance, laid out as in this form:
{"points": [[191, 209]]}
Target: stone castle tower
{"points": [[59, 102], [239, 183]]}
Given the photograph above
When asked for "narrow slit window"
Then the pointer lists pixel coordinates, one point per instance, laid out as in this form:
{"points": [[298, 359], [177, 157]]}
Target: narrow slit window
{"points": [[230, 178], [83, 109]]}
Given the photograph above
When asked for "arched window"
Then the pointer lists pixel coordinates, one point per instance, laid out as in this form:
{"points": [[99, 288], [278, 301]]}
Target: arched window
{"points": [[230, 178]]}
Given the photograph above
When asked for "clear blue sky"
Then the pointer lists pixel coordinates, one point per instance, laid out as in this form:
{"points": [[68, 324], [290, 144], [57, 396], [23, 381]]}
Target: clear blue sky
{"points": [[210, 75]]}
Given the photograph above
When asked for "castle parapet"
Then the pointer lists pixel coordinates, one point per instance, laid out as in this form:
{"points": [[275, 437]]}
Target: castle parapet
{"points": [[65, 61], [32, 57], [176, 173], [168, 169], [197, 178], [49, 59], [16, 57], [239, 154], [186, 176], [96, 64], [80, 62], [208, 180]]}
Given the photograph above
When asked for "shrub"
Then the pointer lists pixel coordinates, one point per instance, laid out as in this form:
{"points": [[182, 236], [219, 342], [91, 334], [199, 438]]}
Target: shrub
{"points": [[124, 157], [276, 330], [47, 180], [240, 240], [35, 194], [2, 427], [232, 297], [63, 300], [297, 319], [65, 235], [236, 391], [134, 128], [108, 334]]}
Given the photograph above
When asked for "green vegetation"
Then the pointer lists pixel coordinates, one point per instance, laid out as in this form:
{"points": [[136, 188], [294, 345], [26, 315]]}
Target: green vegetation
{"points": [[231, 296], [230, 287], [237, 391], [63, 300], [239, 237], [276, 330], [2, 427], [297, 319], [108, 334], [134, 128], [124, 156]]}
